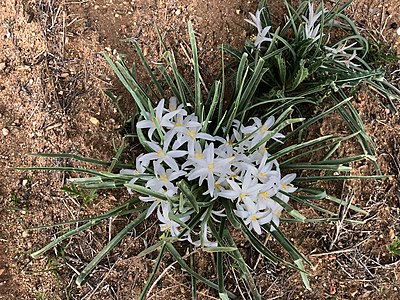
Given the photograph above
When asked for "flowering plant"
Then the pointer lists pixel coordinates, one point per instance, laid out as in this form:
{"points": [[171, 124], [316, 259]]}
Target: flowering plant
{"points": [[237, 168], [309, 67], [216, 163]]}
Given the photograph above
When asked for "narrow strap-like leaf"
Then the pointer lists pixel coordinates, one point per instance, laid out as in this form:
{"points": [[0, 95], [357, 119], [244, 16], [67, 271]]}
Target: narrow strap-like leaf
{"points": [[120, 235]]}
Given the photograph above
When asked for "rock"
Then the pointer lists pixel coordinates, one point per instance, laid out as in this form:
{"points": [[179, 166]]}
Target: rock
{"points": [[5, 131], [94, 121]]}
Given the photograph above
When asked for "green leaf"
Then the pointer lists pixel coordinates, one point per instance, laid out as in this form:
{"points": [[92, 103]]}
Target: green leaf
{"points": [[171, 249], [303, 274], [143, 295], [185, 189], [290, 210], [219, 249], [149, 192], [115, 241]]}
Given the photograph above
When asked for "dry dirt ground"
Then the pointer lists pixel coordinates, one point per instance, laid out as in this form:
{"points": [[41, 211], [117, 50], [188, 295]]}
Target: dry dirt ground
{"points": [[52, 76]]}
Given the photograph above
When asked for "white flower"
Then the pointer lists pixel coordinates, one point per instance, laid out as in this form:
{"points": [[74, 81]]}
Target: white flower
{"points": [[164, 178], [157, 202], [162, 155], [265, 172], [208, 167], [286, 186], [260, 130], [139, 170], [276, 215], [163, 120], [251, 216], [267, 191], [348, 60], [203, 241], [340, 52], [248, 190], [167, 224], [311, 27], [261, 32], [190, 136], [179, 126]]}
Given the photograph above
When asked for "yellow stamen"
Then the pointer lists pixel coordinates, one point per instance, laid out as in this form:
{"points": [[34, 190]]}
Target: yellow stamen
{"points": [[211, 167], [264, 129], [262, 174], [160, 153], [253, 218], [243, 195], [164, 178], [192, 133], [264, 195], [198, 155]]}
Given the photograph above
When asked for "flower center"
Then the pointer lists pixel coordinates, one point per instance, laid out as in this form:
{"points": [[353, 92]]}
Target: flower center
{"points": [[253, 218], [243, 195], [192, 133], [284, 186], [164, 178], [198, 155], [160, 153], [264, 129], [211, 167], [264, 195], [164, 227], [262, 174]]}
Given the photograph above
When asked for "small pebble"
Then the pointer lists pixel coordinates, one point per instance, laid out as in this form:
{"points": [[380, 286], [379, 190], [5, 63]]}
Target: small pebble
{"points": [[25, 234], [94, 121], [398, 31], [5, 131]]}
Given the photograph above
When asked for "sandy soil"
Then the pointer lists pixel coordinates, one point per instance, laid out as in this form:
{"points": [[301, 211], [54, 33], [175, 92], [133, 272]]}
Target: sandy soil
{"points": [[52, 76]]}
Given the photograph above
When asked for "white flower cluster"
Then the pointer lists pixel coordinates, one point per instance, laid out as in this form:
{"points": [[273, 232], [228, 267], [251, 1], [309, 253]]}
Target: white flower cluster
{"points": [[340, 55], [230, 171], [312, 26]]}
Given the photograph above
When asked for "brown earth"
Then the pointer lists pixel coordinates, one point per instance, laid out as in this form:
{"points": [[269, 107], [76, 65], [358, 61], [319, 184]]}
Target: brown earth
{"points": [[52, 76]]}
